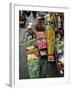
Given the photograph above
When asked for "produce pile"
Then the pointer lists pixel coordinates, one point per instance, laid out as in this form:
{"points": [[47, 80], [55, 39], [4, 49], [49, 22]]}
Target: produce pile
{"points": [[33, 67], [47, 40], [60, 53], [50, 37], [40, 35], [32, 54], [32, 61], [59, 43]]}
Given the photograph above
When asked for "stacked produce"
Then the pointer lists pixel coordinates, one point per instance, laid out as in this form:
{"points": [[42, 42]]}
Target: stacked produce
{"points": [[40, 35], [59, 44], [32, 55], [32, 51], [50, 38], [33, 66], [60, 52], [41, 43], [47, 40], [33, 62]]}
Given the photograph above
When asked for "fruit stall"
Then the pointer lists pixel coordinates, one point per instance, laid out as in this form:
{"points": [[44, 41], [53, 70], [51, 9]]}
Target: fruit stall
{"points": [[45, 44]]}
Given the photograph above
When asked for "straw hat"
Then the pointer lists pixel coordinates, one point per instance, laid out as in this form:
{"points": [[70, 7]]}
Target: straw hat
{"points": [[30, 25], [38, 17]]}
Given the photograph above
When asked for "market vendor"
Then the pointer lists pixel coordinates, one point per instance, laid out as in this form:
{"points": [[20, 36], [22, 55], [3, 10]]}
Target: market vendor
{"points": [[31, 31], [40, 24]]}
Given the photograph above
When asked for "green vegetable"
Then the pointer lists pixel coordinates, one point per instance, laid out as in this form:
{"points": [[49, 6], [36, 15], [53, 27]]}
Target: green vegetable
{"points": [[33, 67], [59, 45]]}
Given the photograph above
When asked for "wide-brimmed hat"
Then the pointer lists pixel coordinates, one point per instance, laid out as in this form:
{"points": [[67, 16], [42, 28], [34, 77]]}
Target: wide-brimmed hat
{"points": [[30, 25], [39, 18]]}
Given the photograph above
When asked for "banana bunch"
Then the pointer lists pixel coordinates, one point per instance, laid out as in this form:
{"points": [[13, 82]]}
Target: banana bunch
{"points": [[30, 47], [50, 35], [31, 56], [33, 51]]}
